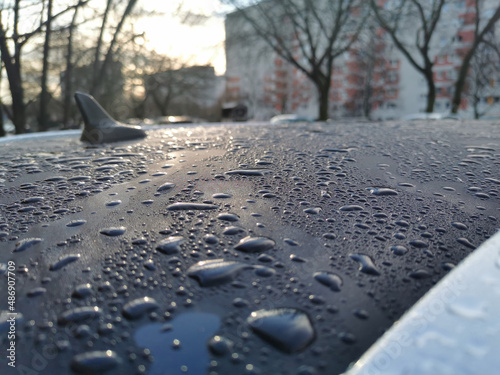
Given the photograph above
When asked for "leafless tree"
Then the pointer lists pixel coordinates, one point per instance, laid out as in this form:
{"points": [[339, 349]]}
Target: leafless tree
{"points": [[11, 45], [102, 66], [481, 29], [44, 94], [484, 67], [309, 34], [401, 20]]}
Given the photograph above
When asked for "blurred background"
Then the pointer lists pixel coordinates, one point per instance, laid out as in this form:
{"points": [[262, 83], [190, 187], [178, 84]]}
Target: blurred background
{"points": [[188, 61]]}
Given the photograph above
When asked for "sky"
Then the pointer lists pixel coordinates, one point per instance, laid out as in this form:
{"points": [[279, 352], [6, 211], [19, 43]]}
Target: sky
{"points": [[198, 40]]}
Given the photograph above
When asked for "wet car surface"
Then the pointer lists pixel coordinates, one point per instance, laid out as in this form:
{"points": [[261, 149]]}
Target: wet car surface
{"points": [[233, 249]]}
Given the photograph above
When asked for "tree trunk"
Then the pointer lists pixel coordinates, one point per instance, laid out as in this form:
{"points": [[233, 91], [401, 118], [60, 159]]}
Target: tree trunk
{"points": [[323, 87], [13, 70], [431, 94], [2, 129], [461, 80], [68, 77], [43, 120]]}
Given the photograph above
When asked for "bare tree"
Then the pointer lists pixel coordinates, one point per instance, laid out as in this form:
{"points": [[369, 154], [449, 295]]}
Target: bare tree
{"points": [[484, 66], [2, 129], [407, 19], [68, 74], [479, 35], [103, 67], [10, 37], [44, 94], [309, 34], [370, 74]]}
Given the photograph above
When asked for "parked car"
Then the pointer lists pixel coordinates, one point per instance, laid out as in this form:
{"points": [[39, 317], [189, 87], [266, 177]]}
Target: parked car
{"points": [[431, 116], [284, 119]]}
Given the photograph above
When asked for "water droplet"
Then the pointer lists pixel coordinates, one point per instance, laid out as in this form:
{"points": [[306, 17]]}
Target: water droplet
{"points": [[215, 272], [95, 362], [331, 280], [184, 206], [468, 308], [289, 330], [138, 307], [26, 243], [365, 264], [313, 210], [36, 292], [113, 203], [228, 217], [351, 207], [171, 245], [220, 345], [290, 242], [419, 274], [221, 196], [79, 314], [254, 244], [82, 291], [63, 261], [459, 225], [399, 250], [465, 242], [211, 239], [6, 320], [418, 244], [113, 231], [249, 172], [76, 223], [231, 231], [263, 271], [383, 191], [166, 186]]}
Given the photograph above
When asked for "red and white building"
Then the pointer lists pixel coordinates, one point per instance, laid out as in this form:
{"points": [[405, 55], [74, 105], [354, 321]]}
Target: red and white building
{"points": [[381, 79]]}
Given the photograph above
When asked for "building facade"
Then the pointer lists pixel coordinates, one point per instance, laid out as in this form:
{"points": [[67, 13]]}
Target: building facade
{"points": [[373, 79]]}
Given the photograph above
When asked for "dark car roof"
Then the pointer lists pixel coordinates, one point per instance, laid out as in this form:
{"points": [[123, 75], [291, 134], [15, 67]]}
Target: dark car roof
{"points": [[232, 249]]}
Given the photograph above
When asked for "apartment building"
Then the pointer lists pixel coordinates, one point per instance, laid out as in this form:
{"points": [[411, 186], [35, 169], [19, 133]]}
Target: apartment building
{"points": [[373, 79]]}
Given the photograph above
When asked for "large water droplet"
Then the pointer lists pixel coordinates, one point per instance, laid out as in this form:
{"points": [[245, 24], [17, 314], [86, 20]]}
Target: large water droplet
{"points": [[138, 307], [184, 206], [228, 217], [215, 272], [76, 223], [365, 264], [465, 242], [249, 172], [288, 330], [171, 245], [26, 243], [79, 314], [221, 196], [231, 231], [352, 207], [383, 191], [63, 261], [95, 362], [254, 244], [459, 225], [399, 250], [166, 186], [113, 231], [331, 280]]}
